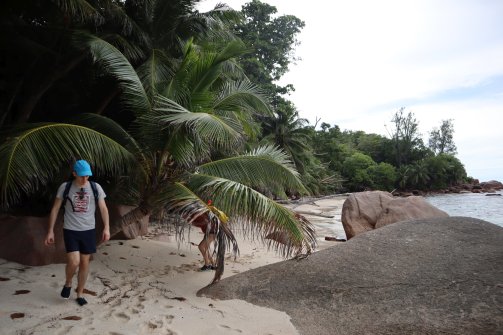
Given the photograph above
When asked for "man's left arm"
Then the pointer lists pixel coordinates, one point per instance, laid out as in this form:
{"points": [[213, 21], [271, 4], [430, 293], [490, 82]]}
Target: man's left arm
{"points": [[104, 217]]}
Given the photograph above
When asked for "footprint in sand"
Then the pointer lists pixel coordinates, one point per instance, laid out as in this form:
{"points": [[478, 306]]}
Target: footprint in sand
{"points": [[158, 323], [122, 317], [64, 330], [229, 328]]}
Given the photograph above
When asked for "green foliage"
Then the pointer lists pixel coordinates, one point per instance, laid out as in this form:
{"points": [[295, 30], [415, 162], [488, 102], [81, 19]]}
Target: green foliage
{"points": [[434, 172], [441, 140], [405, 137], [383, 176], [414, 176], [341, 154], [166, 73], [271, 38], [376, 146], [445, 170], [287, 131], [356, 170]]}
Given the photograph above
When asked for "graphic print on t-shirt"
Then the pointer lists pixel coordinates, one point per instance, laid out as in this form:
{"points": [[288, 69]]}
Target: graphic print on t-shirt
{"points": [[81, 201]]}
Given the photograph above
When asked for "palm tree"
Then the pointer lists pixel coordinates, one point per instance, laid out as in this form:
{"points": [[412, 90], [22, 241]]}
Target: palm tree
{"points": [[286, 130], [42, 52], [202, 111], [49, 60], [419, 175]]}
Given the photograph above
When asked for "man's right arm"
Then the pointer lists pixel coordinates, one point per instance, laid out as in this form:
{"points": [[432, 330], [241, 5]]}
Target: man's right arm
{"points": [[49, 239]]}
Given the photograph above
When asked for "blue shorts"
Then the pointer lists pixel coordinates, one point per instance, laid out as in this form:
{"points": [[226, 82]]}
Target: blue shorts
{"points": [[82, 241]]}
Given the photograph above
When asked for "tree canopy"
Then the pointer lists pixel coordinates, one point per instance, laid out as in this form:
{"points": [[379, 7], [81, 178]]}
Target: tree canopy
{"points": [[174, 107]]}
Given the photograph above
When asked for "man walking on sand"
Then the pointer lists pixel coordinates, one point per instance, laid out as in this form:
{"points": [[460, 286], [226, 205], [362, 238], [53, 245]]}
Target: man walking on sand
{"points": [[79, 229]]}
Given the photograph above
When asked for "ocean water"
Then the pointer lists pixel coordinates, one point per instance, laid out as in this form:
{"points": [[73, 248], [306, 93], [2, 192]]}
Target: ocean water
{"points": [[475, 205]]}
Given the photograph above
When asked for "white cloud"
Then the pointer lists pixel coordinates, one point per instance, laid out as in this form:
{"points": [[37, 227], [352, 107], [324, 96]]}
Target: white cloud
{"points": [[362, 60]]}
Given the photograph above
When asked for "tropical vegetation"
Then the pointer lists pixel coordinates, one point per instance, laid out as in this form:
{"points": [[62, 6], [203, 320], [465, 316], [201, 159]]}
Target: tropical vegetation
{"points": [[174, 107]]}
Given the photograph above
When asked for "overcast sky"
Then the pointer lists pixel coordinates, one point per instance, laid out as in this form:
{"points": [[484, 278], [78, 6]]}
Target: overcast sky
{"points": [[361, 60]]}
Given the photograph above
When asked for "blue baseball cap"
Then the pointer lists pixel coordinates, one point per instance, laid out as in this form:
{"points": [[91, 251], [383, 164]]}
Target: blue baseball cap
{"points": [[82, 168]]}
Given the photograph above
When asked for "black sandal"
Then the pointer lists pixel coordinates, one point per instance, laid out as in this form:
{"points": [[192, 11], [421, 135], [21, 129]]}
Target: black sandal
{"points": [[65, 292], [81, 301]]}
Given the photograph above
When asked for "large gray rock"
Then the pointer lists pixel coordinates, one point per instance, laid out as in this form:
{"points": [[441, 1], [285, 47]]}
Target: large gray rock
{"points": [[435, 276], [365, 211]]}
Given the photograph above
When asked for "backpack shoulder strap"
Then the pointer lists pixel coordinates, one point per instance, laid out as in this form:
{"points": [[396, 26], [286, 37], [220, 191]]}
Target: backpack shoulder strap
{"points": [[65, 193], [95, 191]]}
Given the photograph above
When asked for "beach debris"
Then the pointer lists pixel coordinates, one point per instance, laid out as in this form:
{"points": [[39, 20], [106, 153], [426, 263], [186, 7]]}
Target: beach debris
{"points": [[135, 246], [72, 318], [18, 292], [105, 253], [178, 298], [122, 257], [86, 291], [17, 316], [4, 279], [336, 239], [313, 213]]}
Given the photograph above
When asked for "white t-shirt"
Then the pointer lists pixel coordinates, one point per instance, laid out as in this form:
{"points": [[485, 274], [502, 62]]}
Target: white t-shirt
{"points": [[80, 217]]}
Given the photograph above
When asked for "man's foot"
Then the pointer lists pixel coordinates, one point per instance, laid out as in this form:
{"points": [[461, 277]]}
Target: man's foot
{"points": [[81, 301], [65, 292], [206, 268]]}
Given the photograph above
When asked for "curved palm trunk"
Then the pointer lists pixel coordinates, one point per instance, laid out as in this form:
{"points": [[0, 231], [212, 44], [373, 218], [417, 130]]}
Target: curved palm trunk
{"points": [[224, 239], [130, 223]]}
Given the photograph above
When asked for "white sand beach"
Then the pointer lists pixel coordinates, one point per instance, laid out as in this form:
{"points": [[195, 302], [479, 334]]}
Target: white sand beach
{"points": [[148, 286]]}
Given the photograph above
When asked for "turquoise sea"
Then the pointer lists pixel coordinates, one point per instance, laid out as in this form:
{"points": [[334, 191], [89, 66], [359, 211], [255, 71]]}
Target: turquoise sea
{"points": [[475, 205]]}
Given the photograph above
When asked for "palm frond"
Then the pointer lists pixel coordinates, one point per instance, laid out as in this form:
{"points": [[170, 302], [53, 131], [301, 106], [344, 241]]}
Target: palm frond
{"points": [[129, 25], [217, 22], [242, 95], [32, 156], [209, 65], [113, 61], [257, 214], [81, 10], [131, 51], [215, 131], [265, 168], [156, 71], [107, 127], [189, 206]]}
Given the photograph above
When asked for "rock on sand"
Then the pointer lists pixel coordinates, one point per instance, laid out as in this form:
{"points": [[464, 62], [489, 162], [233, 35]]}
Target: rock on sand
{"points": [[428, 276]]}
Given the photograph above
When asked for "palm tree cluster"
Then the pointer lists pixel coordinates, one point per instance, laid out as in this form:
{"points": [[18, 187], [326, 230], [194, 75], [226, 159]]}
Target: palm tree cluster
{"points": [[149, 92]]}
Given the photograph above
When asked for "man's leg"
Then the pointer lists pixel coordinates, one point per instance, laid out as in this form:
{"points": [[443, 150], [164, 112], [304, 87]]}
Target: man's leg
{"points": [[83, 271], [204, 248], [72, 263]]}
